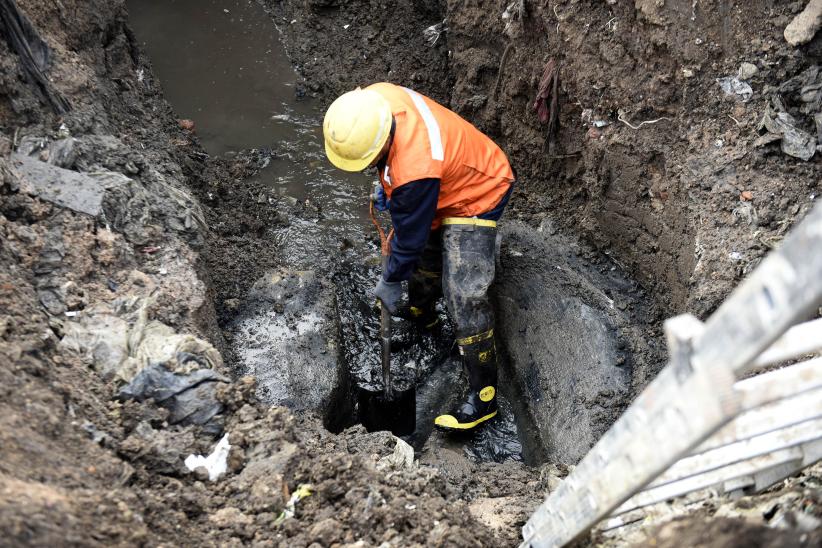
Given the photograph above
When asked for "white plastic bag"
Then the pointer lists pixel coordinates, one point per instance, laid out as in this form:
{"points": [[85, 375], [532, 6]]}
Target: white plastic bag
{"points": [[216, 463]]}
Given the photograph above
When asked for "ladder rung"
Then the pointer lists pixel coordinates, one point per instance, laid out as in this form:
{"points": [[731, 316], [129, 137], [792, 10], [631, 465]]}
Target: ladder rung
{"points": [[770, 417], [793, 455], [779, 384], [741, 451], [798, 340]]}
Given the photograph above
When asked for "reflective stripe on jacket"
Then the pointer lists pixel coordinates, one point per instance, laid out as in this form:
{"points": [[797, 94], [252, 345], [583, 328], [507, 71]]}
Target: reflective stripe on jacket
{"points": [[432, 142]]}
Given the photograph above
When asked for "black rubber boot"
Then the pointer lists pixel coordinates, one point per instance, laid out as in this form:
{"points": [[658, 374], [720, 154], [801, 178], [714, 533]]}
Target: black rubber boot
{"points": [[425, 318], [425, 285], [468, 271], [479, 404]]}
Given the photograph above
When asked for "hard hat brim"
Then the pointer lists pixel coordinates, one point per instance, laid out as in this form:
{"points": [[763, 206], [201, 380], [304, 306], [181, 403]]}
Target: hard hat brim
{"points": [[353, 165]]}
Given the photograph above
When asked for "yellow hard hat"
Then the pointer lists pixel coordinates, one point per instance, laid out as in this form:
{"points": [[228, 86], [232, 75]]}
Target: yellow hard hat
{"points": [[355, 128]]}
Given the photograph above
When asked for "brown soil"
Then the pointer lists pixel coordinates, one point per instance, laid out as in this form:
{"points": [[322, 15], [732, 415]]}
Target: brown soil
{"points": [[665, 200]]}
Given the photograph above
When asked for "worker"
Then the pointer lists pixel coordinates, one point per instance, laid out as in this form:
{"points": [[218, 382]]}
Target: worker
{"points": [[446, 185]]}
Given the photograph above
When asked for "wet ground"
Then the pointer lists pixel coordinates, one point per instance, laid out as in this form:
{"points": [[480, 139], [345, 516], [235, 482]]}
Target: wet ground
{"points": [[221, 65]]}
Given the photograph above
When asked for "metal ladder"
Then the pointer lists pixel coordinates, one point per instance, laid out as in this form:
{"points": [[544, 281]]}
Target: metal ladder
{"points": [[697, 425]]}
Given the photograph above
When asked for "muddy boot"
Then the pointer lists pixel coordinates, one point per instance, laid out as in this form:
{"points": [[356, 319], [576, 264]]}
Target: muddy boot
{"points": [[425, 285], [468, 271], [479, 404], [426, 318]]}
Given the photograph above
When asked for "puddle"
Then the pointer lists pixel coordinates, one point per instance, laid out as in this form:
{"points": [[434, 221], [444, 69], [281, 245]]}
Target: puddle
{"points": [[221, 64]]}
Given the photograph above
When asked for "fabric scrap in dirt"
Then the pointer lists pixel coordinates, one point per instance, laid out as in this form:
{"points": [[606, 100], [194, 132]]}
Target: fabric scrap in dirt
{"points": [[546, 103], [781, 126]]}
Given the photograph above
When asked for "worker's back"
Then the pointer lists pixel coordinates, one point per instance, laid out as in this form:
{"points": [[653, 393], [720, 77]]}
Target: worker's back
{"points": [[431, 141]]}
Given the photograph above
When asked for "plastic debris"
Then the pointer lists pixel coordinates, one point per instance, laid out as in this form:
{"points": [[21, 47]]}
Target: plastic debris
{"points": [[60, 153], [432, 34], [216, 463], [732, 85], [303, 490], [33, 52], [402, 457], [190, 398], [121, 345], [81, 192], [513, 13], [782, 126], [177, 371], [101, 340], [588, 119]]}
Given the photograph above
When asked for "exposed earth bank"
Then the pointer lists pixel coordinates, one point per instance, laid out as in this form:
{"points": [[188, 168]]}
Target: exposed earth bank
{"points": [[145, 261]]}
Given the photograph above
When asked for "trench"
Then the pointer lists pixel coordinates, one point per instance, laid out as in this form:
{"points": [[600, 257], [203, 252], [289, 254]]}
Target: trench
{"points": [[308, 331]]}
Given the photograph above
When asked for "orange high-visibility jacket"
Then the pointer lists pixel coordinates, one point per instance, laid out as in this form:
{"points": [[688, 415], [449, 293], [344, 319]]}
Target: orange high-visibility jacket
{"points": [[431, 141]]}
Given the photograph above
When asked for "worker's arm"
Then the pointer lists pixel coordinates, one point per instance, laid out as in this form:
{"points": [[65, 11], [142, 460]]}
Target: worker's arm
{"points": [[413, 207]]}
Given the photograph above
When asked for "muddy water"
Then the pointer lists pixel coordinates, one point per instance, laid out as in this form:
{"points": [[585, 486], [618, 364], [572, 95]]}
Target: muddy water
{"points": [[221, 64]]}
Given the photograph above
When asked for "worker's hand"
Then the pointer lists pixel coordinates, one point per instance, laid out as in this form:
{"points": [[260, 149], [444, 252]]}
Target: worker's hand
{"points": [[379, 198], [390, 295]]}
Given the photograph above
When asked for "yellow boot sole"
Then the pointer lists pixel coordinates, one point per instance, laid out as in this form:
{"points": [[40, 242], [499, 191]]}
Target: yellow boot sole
{"points": [[450, 422]]}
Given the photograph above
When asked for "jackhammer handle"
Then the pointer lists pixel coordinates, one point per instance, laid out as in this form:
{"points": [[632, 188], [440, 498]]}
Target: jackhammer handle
{"points": [[385, 341]]}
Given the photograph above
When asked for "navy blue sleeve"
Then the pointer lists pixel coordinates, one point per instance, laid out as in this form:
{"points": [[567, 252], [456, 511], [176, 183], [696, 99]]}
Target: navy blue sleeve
{"points": [[413, 207]]}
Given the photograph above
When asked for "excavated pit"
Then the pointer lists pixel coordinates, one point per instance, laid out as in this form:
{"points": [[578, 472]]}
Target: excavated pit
{"points": [[307, 328], [656, 195]]}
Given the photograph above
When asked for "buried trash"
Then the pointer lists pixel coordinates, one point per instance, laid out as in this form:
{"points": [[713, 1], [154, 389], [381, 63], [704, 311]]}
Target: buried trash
{"points": [[805, 92], [402, 457], [732, 85], [215, 464], [81, 192], [33, 53], [781, 126], [303, 490], [151, 360], [190, 398]]}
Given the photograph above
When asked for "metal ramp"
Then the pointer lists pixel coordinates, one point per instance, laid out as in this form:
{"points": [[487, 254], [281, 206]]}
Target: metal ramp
{"points": [[697, 425]]}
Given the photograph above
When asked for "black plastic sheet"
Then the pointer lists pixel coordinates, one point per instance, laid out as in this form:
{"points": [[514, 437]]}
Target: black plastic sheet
{"points": [[34, 53]]}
